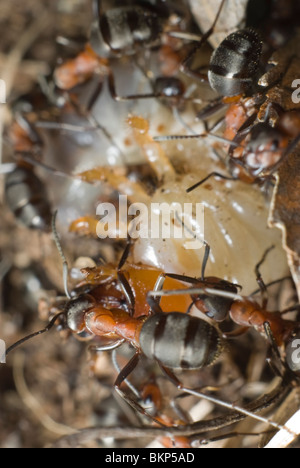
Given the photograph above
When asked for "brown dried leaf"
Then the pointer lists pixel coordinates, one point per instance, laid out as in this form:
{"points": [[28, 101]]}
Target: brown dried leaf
{"points": [[286, 69], [285, 212]]}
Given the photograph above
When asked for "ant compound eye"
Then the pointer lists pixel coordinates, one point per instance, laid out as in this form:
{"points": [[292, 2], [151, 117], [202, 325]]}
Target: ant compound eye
{"points": [[217, 307], [76, 310]]}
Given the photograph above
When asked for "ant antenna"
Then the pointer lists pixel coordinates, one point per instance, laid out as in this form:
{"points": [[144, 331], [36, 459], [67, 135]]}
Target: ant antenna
{"points": [[62, 255], [212, 174], [257, 267], [180, 292], [32, 335], [205, 260]]}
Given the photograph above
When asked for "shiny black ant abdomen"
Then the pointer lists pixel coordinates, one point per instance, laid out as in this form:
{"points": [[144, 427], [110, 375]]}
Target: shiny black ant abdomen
{"points": [[27, 198], [180, 341], [234, 65]]}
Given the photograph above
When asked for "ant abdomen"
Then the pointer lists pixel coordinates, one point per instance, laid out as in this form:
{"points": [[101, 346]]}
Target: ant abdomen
{"points": [[180, 341], [27, 198], [235, 63], [122, 29]]}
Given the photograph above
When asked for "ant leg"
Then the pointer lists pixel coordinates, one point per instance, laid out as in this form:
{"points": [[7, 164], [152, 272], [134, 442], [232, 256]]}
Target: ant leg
{"points": [[154, 304], [27, 157], [235, 333], [96, 93], [188, 279], [185, 279], [196, 443], [260, 281], [127, 290], [285, 372], [177, 116], [125, 254], [62, 255], [205, 260], [211, 109], [109, 347], [118, 369], [86, 112], [290, 309], [196, 136], [126, 371], [272, 283], [122, 377], [276, 352], [97, 8], [242, 133], [116, 97], [185, 66], [218, 402], [212, 174]]}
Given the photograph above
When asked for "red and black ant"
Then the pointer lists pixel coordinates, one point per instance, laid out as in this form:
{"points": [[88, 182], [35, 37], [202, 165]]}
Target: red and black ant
{"points": [[257, 148], [174, 340], [139, 26], [25, 193], [118, 31]]}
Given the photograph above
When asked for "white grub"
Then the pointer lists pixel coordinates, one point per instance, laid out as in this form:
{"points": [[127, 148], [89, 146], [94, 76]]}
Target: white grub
{"points": [[235, 217], [235, 226]]}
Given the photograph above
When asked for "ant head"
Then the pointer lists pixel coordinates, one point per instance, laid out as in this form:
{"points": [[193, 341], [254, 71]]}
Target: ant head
{"points": [[261, 134], [169, 86], [215, 307], [75, 312]]}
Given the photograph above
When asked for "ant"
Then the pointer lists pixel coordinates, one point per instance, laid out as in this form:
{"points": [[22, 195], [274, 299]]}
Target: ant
{"points": [[257, 148], [152, 396], [244, 311], [174, 340], [123, 30], [80, 69], [25, 193]]}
